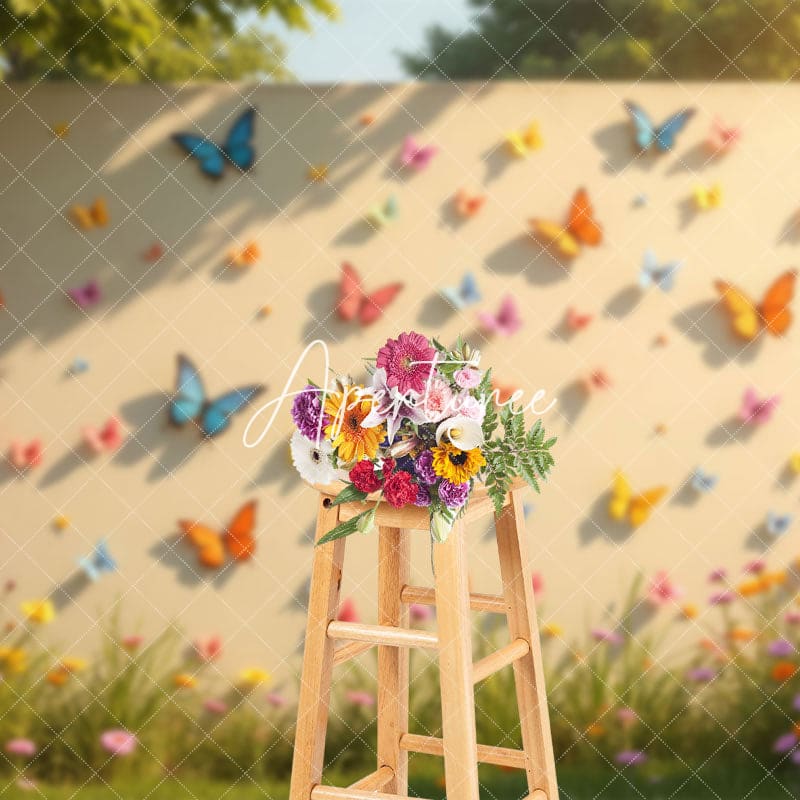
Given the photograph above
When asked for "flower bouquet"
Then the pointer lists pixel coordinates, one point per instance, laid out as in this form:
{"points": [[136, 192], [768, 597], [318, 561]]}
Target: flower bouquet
{"points": [[423, 433]]}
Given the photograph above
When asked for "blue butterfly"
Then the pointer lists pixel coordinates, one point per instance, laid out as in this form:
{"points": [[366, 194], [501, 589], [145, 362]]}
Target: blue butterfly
{"points": [[237, 149], [98, 562], [778, 524], [654, 274], [463, 295], [663, 136], [703, 481], [189, 403]]}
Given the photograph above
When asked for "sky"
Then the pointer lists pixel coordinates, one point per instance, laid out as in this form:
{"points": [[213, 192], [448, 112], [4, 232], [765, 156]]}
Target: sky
{"points": [[363, 44]]}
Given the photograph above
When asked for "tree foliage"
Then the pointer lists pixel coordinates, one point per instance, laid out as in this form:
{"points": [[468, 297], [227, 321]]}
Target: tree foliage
{"points": [[140, 40], [618, 39]]}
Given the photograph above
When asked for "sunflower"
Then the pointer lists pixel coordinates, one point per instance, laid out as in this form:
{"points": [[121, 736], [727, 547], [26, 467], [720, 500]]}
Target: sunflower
{"points": [[457, 466], [347, 410]]}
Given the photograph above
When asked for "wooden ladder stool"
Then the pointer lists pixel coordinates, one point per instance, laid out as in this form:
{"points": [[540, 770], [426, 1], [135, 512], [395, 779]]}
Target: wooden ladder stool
{"points": [[453, 641]]}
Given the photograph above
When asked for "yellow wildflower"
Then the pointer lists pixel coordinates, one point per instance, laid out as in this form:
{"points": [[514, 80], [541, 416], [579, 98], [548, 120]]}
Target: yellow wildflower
{"points": [[40, 612]]}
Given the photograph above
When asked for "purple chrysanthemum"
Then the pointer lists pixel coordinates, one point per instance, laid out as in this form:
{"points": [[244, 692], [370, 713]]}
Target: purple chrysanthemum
{"points": [[453, 495], [785, 743], [781, 648], [423, 497], [423, 466], [631, 758], [307, 413], [701, 675], [408, 361]]}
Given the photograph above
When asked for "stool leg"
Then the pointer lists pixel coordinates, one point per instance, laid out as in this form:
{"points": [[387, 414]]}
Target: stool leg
{"points": [[315, 686], [528, 671], [393, 575], [455, 666]]}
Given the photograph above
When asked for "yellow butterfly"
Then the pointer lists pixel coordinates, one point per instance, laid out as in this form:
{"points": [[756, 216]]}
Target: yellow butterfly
{"points": [[318, 172], [636, 508], [707, 197], [93, 216], [522, 143]]}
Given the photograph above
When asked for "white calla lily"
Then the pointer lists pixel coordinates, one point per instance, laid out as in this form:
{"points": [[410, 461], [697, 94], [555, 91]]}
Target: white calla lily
{"points": [[463, 432]]}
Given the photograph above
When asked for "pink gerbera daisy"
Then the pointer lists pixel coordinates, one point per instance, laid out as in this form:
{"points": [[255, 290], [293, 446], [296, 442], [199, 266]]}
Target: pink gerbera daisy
{"points": [[408, 361]]}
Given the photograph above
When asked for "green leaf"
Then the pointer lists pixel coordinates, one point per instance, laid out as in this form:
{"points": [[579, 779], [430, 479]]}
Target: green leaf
{"points": [[348, 495], [345, 528]]}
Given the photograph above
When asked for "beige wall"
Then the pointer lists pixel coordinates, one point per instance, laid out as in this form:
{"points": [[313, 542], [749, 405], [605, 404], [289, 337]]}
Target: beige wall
{"points": [[119, 147]]}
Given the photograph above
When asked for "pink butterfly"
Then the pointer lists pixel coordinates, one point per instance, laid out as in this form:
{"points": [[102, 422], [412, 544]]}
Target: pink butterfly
{"points": [[506, 321], [414, 155], [576, 321], [721, 139], [107, 438], [754, 410], [25, 455], [596, 381], [87, 295]]}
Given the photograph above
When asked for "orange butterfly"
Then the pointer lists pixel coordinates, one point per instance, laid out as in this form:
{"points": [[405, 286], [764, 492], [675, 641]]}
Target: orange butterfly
{"points": [[468, 205], [237, 539], [245, 256], [93, 216], [581, 228], [575, 320], [748, 319], [353, 303]]}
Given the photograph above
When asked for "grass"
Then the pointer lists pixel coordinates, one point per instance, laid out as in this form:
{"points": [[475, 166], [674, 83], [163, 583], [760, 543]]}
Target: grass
{"points": [[574, 784]]}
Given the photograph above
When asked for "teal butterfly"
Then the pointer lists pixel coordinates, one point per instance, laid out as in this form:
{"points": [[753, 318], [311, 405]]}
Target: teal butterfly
{"points": [[189, 402], [663, 136], [97, 562]]}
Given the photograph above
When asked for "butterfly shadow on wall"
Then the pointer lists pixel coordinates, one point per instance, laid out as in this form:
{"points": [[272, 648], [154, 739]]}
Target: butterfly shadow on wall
{"points": [[693, 160], [597, 524], [572, 401], [524, 255], [759, 539], [173, 553], [623, 302], [704, 324], [730, 431], [275, 470], [496, 161], [790, 232], [614, 141]]}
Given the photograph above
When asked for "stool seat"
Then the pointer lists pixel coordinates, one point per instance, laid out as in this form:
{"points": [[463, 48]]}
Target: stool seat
{"points": [[330, 642]]}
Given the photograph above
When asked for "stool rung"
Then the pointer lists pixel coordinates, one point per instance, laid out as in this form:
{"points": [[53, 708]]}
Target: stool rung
{"points": [[349, 651], [382, 634], [375, 781], [477, 602], [320, 792], [487, 754], [500, 658]]}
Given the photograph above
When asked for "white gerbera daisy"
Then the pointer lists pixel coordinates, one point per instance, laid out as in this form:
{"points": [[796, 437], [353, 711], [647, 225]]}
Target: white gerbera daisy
{"points": [[313, 463]]}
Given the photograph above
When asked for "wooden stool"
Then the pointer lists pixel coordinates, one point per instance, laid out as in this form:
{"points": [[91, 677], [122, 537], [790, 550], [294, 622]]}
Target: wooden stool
{"points": [[453, 641]]}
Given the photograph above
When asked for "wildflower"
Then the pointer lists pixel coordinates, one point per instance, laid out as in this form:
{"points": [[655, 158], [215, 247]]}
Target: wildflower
{"points": [[783, 671], [552, 630], [61, 673], [40, 612], [399, 490], [785, 743], [453, 495], [348, 611], [26, 784], [752, 587], [254, 676], [718, 575], [307, 413], [276, 699], [796, 702], [313, 463], [208, 648], [606, 636], [631, 758], [457, 466], [14, 659], [792, 617], [690, 611], [595, 730], [627, 716], [722, 598], [364, 477], [360, 698], [214, 706], [118, 742], [701, 675], [420, 613], [755, 567], [537, 582], [408, 361], [132, 642], [662, 591], [468, 377], [781, 648], [742, 635], [184, 680], [21, 747], [347, 411]]}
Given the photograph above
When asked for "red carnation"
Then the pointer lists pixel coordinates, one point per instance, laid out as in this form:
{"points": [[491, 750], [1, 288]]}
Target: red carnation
{"points": [[364, 478], [399, 489], [387, 467]]}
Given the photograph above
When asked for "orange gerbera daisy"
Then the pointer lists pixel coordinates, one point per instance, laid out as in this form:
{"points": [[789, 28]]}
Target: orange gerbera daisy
{"points": [[347, 410]]}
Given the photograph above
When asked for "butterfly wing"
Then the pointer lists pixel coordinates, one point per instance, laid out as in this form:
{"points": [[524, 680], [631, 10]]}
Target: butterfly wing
{"points": [[581, 222], [351, 295], [643, 130], [206, 541], [748, 408], [423, 156], [620, 496], [239, 537], [508, 319], [516, 144], [190, 394], [99, 212], [82, 217], [373, 305], [209, 156], [642, 505], [408, 151], [216, 416], [553, 235], [238, 145], [668, 131], [665, 278], [532, 137], [774, 308], [744, 315]]}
